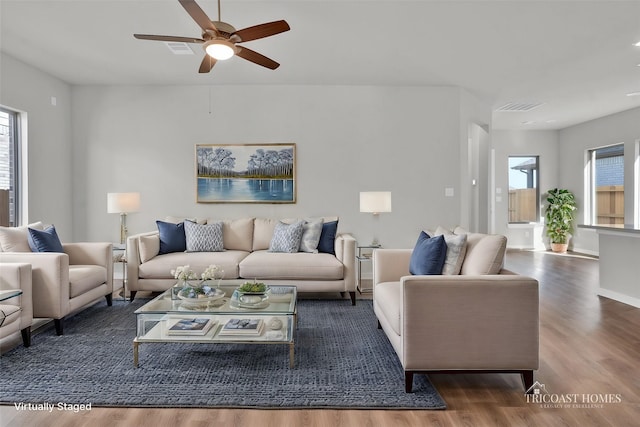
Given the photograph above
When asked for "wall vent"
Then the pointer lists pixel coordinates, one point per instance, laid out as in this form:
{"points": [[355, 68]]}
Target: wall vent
{"points": [[178, 48], [518, 106]]}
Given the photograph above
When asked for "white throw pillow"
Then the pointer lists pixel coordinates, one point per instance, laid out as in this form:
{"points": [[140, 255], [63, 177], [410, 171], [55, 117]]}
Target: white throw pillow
{"points": [[311, 235], [456, 250]]}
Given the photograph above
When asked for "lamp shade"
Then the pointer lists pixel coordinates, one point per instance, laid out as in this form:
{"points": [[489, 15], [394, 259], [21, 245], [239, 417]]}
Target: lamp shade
{"points": [[123, 202], [375, 201]]}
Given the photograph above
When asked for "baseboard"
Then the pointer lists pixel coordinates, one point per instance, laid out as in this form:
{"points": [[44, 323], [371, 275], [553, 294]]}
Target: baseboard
{"points": [[626, 299]]}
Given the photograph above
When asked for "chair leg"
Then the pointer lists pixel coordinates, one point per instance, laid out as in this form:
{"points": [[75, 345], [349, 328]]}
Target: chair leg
{"points": [[379, 325], [109, 299], [58, 323], [353, 297], [527, 380], [408, 381], [132, 295], [26, 336]]}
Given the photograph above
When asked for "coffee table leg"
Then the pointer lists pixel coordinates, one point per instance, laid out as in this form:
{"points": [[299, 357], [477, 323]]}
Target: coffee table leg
{"points": [[135, 354], [291, 351]]}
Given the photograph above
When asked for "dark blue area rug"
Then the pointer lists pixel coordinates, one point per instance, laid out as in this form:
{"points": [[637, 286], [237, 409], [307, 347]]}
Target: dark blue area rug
{"points": [[341, 361]]}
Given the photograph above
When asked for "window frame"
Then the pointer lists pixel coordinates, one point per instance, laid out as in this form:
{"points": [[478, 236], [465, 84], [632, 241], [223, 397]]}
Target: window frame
{"points": [[536, 186], [15, 166], [591, 186]]}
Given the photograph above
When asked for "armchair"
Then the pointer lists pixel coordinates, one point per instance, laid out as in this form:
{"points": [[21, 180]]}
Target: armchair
{"points": [[16, 313], [64, 283], [458, 323]]}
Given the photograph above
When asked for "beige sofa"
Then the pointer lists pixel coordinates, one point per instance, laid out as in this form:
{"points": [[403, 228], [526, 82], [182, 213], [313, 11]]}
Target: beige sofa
{"points": [[483, 320], [245, 257], [16, 314], [62, 283]]}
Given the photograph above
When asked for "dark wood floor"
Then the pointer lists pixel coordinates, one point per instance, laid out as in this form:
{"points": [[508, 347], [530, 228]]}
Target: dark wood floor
{"points": [[589, 345]]}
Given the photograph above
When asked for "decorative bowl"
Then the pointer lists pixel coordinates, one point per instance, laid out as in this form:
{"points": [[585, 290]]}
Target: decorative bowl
{"points": [[193, 295]]}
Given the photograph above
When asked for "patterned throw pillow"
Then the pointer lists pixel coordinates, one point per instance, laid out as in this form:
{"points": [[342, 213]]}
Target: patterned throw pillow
{"points": [[456, 249], [311, 235], [287, 237], [203, 238]]}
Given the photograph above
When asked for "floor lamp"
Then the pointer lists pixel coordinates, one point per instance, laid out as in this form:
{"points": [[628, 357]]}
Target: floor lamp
{"points": [[123, 203], [375, 202]]}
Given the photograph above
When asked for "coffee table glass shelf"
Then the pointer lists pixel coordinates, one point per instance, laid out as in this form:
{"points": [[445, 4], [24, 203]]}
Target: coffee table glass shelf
{"points": [[276, 315]]}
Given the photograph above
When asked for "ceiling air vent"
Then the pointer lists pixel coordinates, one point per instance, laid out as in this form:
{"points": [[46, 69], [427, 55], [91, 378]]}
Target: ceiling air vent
{"points": [[178, 48], [519, 106]]}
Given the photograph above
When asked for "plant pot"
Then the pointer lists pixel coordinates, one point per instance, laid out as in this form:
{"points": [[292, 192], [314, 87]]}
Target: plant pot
{"points": [[559, 247]]}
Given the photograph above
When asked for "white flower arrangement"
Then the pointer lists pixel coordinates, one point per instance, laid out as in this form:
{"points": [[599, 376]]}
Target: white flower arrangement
{"points": [[212, 272], [183, 273]]}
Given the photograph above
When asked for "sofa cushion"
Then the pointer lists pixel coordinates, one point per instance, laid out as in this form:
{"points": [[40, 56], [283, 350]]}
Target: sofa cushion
{"points": [[238, 234], [15, 239], [172, 237], [149, 246], [291, 266], [83, 278], [263, 233], [203, 237], [485, 254], [389, 299], [428, 255], [327, 243], [44, 240], [160, 267], [286, 237], [311, 235]]}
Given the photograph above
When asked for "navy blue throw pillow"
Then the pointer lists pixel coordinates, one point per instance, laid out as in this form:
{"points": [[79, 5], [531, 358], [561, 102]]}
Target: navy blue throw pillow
{"points": [[172, 237], [44, 240], [328, 238], [428, 255]]}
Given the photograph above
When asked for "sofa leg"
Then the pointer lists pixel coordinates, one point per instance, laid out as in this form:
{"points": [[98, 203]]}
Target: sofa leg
{"points": [[132, 295], [379, 325], [527, 380], [353, 297], [109, 299], [58, 323], [26, 336], [408, 381]]}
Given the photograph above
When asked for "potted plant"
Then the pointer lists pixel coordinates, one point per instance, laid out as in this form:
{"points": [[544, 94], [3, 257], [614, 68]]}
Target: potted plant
{"points": [[559, 218]]}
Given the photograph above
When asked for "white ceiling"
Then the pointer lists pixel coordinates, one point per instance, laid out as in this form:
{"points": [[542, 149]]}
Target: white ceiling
{"points": [[575, 57]]}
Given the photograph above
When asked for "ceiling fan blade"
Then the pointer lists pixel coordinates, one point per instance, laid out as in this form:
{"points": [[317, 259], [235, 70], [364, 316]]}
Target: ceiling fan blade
{"points": [[168, 38], [256, 58], [207, 64], [262, 30], [198, 15]]}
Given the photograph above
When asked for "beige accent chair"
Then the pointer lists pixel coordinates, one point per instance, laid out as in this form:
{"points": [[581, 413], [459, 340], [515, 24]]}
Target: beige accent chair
{"points": [[483, 320], [62, 283], [16, 314]]}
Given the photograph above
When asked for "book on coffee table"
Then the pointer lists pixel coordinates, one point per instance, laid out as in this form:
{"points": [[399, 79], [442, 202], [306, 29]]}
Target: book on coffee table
{"points": [[189, 326], [251, 327]]}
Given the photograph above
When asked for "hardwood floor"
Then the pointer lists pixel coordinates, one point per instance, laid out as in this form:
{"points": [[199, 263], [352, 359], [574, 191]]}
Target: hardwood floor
{"points": [[589, 347]]}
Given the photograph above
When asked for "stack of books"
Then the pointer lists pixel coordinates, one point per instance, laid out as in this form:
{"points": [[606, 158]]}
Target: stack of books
{"points": [[250, 327], [190, 326]]}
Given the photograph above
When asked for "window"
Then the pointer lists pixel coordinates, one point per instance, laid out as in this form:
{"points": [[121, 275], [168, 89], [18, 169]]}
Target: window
{"points": [[9, 168], [524, 195], [606, 184]]}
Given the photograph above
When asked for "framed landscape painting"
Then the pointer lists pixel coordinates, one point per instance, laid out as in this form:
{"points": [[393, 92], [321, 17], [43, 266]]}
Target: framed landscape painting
{"points": [[246, 173]]}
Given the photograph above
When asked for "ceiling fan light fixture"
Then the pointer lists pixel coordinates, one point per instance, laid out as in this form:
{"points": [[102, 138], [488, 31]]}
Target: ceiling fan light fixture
{"points": [[219, 49]]}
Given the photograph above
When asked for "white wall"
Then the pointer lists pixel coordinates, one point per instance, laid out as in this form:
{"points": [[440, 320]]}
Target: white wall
{"points": [[349, 139], [48, 139], [575, 141], [523, 143]]}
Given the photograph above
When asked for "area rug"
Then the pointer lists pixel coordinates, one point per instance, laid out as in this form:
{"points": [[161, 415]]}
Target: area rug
{"points": [[341, 361]]}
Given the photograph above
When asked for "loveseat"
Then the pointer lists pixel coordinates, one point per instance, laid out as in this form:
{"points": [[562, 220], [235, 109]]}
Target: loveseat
{"points": [[244, 254], [480, 318]]}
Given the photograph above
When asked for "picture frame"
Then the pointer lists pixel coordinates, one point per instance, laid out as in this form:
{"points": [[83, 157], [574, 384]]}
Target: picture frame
{"points": [[246, 173]]}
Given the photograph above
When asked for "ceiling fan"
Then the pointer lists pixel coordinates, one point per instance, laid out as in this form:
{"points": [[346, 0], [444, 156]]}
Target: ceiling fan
{"points": [[219, 39]]}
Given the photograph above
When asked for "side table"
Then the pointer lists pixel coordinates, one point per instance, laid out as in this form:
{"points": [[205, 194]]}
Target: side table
{"points": [[120, 257], [364, 256]]}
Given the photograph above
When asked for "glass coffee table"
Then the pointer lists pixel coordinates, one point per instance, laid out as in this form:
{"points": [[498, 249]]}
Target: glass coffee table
{"points": [[223, 320]]}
